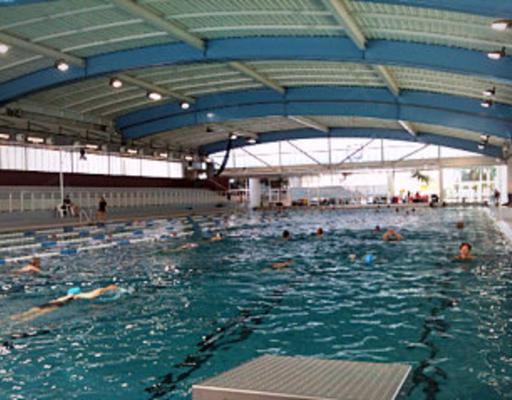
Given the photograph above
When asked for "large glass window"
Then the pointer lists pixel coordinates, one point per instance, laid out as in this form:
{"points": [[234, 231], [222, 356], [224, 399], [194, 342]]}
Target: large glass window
{"points": [[26, 158]]}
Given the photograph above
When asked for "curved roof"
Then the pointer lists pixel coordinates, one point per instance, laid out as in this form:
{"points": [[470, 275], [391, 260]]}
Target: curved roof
{"points": [[256, 63]]}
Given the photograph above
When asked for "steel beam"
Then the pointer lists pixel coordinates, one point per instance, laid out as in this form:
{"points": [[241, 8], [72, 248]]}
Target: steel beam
{"points": [[152, 87], [308, 122], [244, 69], [156, 21], [36, 48], [381, 52]]}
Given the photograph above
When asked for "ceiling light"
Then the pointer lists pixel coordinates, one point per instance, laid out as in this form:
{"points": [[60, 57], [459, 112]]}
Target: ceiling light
{"points": [[484, 138], [4, 48], [489, 92], [251, 141], [4, 136], [497, 54], [481, 146], [501, 24], [62, 66], [185, 105], [154, 96], [35, 139], [116, 83], [486, 103], [233, 136]]}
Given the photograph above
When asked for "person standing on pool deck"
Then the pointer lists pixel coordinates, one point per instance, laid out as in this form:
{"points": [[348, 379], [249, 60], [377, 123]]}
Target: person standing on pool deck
{"points": [[73, 294], [101, 215], [33, 267], [465, 252], [392, 235]]}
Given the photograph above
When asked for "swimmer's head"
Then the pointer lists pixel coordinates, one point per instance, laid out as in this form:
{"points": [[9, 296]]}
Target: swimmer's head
{"points": [[36, 262], [460, 225], [465, 249], [413, 210], [286, 235], [397, 209], [377, 228], [319, 232]]}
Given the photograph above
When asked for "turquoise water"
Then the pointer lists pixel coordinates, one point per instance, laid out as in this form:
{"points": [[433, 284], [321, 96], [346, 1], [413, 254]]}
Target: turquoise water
{"points": [[185, 316]]}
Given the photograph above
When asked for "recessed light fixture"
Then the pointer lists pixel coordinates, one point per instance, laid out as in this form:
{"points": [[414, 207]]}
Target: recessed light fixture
{"points": [[489, 92], [116, 83], [4, 48], [481, 146], [35, 139], [62, 65], [497, 54], [486, 103], [233, 136], [501, 24], [154, 96], [4, 136], [251, 141], [185, 105]]}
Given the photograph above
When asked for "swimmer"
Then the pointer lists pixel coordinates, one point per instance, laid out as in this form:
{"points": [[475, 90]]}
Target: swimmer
{"points": [[286, 235], [377, 228], [392, 235], [33, 267], [187, 246], [73, 294], [397, 209], [282, 265], [218, 236], [319, 232], [465, 252], [460, 225]]}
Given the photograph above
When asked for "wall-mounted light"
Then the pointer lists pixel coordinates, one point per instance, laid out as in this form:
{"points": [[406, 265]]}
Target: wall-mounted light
{"points": [[35, 139], [91, 146], [233, 136], [154, 96], [188, 158], [4, 136], [486, 103], [501, 24], [497, 54], [489, 92], [131, 151], [116, 83], [4, 48], [481, 146], [185, 105], [251, 141], [61, 65]]}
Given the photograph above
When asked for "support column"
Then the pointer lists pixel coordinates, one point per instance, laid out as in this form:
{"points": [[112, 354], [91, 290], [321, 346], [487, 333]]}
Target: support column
{"points": [[441, 185], [391, 185], [254, 193], [509, 181]]}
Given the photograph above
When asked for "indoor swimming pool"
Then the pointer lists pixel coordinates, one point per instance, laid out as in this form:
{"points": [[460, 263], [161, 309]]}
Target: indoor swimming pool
{"points": [[183, 316]]}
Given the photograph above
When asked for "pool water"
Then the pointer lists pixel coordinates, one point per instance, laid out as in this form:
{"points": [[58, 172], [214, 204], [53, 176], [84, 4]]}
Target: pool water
{"points": [[186, 316]]}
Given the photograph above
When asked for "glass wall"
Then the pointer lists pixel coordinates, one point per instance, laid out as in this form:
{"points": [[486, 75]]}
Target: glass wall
{"points": [[336, 150], [25, 158]]}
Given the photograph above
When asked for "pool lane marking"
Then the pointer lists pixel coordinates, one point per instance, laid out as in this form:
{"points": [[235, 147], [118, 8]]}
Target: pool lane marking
{"points": [[431, 323], [213, 341]]}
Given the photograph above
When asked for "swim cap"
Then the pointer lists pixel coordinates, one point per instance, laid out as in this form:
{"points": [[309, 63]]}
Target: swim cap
{"points": [[369, 258], [352, 257], [73, 291]]}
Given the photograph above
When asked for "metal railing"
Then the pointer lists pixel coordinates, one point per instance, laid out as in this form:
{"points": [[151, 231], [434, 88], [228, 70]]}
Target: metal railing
{"points": [[40, 199]]}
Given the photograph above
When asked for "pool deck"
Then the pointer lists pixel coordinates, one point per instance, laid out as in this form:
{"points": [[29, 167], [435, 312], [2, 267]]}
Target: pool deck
{"points": [[503, 217], [304, 378], [39, 221]]}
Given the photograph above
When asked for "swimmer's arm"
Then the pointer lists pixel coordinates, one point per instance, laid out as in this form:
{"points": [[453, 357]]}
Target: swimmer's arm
{"points": [[95, 293], [27, 268], [281, 265]]}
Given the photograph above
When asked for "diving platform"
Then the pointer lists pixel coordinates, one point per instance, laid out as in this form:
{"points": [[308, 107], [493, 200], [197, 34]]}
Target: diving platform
{"points": [[304, 378]]}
